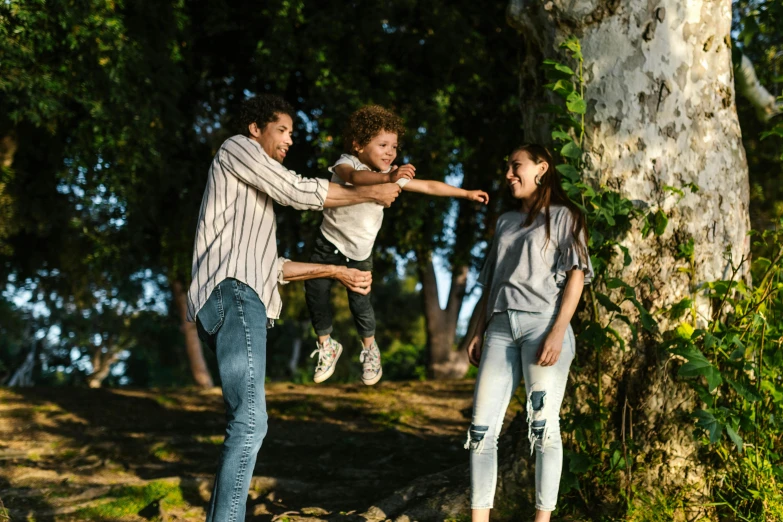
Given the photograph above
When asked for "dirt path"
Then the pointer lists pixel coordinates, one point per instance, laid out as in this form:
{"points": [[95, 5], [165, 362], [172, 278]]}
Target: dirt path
{"points": [[331, 451]]}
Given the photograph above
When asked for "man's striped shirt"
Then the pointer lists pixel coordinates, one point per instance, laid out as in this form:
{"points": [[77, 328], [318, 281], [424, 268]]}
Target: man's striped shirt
{"points": [[236, 235]]}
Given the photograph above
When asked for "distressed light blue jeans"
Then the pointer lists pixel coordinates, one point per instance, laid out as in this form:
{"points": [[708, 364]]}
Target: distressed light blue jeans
{"points": [[509, 353], [233, 323]]}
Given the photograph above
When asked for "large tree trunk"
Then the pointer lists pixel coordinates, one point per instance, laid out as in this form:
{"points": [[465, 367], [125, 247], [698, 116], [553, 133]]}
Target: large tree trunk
{"points": [[198, 366], [661, 111], [444, 362]]}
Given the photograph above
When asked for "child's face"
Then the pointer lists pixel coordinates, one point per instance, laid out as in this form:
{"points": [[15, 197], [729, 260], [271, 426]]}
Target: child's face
{"points": [[522, 173], [380, 152]]}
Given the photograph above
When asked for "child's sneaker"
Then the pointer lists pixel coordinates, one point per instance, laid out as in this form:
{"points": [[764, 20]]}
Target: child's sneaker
{"points": [[328, 353], [371, 364]]}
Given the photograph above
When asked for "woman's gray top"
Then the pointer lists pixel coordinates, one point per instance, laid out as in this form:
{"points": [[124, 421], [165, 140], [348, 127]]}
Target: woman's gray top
{"points": [[524, 272]]}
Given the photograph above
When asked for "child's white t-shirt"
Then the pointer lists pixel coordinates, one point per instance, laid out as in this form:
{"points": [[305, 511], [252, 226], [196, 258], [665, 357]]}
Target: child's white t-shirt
{"points": [[353, 229]]}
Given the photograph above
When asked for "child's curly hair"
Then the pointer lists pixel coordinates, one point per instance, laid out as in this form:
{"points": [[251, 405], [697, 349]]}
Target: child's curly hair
{"points": [[367, 122]]}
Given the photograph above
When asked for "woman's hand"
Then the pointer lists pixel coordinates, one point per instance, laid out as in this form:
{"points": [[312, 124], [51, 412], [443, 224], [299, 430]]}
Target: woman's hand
{"points": [[474, 347], [354, 280], [549, 352]]}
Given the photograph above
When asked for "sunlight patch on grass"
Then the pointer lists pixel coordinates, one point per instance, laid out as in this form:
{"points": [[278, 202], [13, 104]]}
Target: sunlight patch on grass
{"points": [[132, 499], [162, 451], [215, 440], [166, 401]]}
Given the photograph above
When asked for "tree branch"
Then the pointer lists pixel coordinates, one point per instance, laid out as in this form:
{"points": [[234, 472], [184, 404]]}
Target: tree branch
{"points": [[750, 87]]}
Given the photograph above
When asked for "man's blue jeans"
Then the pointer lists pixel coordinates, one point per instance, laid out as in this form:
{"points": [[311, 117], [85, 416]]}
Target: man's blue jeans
{"points": [[233, 323]]}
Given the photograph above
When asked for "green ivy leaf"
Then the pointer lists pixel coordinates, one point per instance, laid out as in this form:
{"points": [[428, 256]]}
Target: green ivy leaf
{"points": [[576, 104], [607, 303], [626, 255], [678, 309], [580, 463], [571, 150], [660, 222], [685, 250], [563, 68], [648, 323], [617, 336], [698, 365], [707, 421], [744, 391], [562, 87], [734, 436], [685, 330], [568, 171]]}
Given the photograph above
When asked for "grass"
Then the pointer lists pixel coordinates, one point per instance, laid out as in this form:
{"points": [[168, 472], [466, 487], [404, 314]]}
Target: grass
{"points": [[391, 419], [164, 452], [166, 401], [215, 440], [130, 500]]}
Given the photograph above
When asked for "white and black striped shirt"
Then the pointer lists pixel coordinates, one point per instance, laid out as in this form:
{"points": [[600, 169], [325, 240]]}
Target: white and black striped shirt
{"points": [[237, 235]]}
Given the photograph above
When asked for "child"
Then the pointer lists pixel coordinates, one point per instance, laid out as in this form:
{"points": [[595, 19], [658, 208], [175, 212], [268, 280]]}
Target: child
{"points": [[348, 234]]}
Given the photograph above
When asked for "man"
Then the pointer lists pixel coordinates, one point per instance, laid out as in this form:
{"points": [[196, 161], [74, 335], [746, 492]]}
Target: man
{"points": [[233, 296]]}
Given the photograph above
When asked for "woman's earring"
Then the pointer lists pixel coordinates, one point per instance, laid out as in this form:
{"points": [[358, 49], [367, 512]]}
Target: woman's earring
{"points": [[538, 180]]}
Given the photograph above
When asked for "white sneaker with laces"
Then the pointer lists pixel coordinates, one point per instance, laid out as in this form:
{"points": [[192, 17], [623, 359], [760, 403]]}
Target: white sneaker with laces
{"points": [[371, 364], [328, 353]]}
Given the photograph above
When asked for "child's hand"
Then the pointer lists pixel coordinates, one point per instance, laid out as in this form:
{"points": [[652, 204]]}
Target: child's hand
{"points": [[406, 171], [478, 195]]}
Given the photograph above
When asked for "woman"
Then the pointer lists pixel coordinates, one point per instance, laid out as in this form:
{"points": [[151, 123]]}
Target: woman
{"points": [[533, 278]]}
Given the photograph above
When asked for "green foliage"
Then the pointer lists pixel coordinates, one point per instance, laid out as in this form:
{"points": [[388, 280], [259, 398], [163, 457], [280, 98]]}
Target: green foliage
{"points": [[593, 462], [116, 109], [756, 34], [734, 365]]}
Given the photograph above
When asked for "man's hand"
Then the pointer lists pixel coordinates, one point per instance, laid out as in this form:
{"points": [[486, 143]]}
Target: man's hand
{"points": [[354, 280], [384, 194], [406, 171]]}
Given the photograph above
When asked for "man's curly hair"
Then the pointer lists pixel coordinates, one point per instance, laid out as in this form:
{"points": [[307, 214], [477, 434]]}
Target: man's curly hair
{"points": [[367, 122], [262, 109]]}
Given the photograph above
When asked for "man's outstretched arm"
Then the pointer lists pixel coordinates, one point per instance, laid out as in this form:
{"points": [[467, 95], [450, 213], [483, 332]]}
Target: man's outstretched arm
{"points": [[340, 196], [355, 280]]}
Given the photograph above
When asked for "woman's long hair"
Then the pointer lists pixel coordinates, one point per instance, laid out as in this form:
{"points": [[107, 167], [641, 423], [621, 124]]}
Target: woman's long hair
{"points": [[550, 192]]}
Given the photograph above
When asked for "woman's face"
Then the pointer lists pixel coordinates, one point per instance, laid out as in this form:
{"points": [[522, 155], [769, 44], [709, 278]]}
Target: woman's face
{"points": [[522, 173]]}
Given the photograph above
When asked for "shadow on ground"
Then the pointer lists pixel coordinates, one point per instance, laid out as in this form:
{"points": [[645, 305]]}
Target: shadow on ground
{"points": [[80, 454]]}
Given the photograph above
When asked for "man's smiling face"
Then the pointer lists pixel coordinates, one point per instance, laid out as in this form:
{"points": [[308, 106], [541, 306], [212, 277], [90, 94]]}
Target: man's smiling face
{"points": [[276, 137]]}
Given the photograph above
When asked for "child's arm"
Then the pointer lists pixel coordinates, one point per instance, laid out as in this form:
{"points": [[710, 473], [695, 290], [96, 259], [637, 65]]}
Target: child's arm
{"points": [[358, 178], [438, 188]]}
